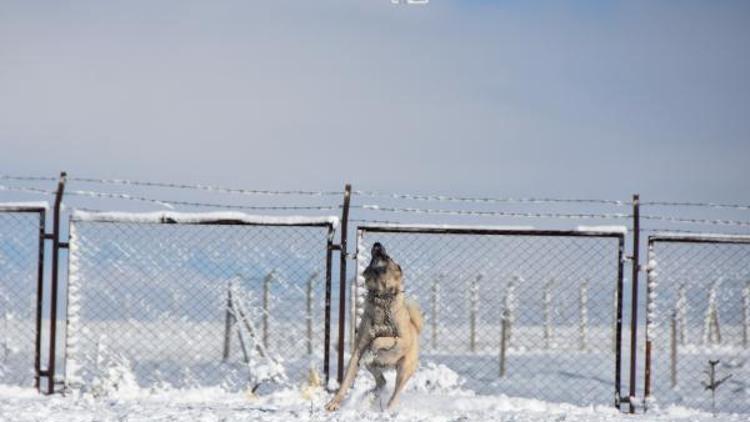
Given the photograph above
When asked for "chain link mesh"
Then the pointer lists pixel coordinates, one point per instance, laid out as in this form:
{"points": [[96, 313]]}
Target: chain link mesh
{"points": [[19, 260], [523, 315], [699, 311], [187, 305]]}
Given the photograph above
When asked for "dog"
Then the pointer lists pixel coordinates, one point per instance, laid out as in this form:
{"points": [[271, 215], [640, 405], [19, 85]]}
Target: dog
{"points": [[389, 330]]}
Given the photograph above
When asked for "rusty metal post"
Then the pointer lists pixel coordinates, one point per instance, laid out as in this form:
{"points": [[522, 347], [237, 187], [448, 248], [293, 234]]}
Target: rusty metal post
{"points": [[342, 279], [53, 294], [634, 300], [39, 300]]}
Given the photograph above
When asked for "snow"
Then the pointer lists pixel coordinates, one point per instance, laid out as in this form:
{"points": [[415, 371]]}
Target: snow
{"points": [[603, 229], [16, 205], [446, 227], [193, 218], [434, 394], [707, 236]]}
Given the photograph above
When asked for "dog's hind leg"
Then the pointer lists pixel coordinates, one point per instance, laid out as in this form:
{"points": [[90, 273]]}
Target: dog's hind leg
{"points": [[404, 371], [377, 373]]}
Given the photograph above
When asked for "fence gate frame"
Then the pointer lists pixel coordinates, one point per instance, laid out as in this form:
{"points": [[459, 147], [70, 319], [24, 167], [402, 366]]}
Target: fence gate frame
{"points": [[489, 231], [42, 212], [694, 238], [329, 222]]}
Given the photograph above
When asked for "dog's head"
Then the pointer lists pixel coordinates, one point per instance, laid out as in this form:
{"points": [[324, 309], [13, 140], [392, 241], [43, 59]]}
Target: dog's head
{"points": [[383, 275]]}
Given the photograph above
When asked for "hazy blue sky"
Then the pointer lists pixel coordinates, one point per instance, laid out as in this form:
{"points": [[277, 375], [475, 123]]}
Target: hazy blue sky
{"points": [[588, 98]]}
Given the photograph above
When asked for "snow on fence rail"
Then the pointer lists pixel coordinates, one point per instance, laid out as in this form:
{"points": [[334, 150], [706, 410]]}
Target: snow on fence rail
{"points": [[698, 306], [21, 260], [517, 311], [214, 299]]}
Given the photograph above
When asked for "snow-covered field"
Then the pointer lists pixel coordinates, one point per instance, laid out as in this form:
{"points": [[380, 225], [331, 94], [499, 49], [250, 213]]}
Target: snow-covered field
{"points": [[434, 394]]}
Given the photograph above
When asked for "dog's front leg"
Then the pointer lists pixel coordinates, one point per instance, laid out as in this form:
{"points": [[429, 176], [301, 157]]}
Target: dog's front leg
{"points": [[362, 343]]}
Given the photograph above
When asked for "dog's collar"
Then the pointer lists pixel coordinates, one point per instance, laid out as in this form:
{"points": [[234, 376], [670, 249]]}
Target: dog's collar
{"points": [[385, 295]]}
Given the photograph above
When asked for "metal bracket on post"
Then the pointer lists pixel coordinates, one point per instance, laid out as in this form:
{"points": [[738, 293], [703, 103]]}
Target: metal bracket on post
{"points": [[56, 245]]}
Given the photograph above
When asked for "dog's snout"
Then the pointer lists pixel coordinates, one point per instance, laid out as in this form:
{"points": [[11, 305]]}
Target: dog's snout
{"points": [[378, 251]]}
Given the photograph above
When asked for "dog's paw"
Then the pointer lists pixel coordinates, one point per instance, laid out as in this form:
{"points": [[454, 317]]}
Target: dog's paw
{"points": [[333, 405]]}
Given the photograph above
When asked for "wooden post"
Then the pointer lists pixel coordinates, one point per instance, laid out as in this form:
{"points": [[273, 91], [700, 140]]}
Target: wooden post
{"points": [[228, 323], [673, 350], [309, 314], [434, 319], [474, 309], [503, 340], [681, 309], [266, 305], [548, 314], [584, 315], [746, 314]]}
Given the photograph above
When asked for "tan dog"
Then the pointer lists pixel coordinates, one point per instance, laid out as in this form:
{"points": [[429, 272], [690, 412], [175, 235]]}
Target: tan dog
{"points": [[389, 329]]}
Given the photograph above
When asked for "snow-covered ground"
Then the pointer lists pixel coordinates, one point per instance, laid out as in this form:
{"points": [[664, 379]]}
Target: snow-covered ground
{"points": [[434, 394]]}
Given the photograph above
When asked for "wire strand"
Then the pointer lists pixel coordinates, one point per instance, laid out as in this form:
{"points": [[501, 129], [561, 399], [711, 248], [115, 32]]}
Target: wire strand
{"points": [[695, 204], [170, 203], [446, 198], [210, 188], [492, 213], [696, 220], [28, 178], [26, 189]]}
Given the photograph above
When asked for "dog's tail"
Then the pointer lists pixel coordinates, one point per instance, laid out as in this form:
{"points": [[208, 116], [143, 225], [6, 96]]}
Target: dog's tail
{"points": [[415, 313]]}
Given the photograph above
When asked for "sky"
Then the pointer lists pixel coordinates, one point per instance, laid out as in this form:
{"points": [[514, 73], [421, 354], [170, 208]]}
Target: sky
{"points": [[564, 99]]}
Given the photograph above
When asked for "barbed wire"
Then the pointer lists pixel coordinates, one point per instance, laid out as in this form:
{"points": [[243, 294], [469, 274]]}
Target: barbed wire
{"points": [[365, 220], [662, 230], [696, 220], [492, 213], [211, 188], [448, 198], [28, 178], [26, 189], [695, 204], [170, 203]]}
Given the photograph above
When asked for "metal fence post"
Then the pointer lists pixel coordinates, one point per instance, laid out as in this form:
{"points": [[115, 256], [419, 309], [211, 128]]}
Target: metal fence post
{"points": [[39, 303], [327, 306], [618, 320], [53, 294], [342, 280], [634, 303]]}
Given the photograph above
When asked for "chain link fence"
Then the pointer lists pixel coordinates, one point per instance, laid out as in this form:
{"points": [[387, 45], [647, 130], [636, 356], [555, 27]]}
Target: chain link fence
{"points": [[526, 313], [20, 261], [698, 313], [190, 300]]}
